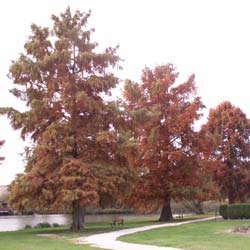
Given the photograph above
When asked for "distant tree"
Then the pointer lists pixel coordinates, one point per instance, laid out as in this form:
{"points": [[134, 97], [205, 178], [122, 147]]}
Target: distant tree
{"points": [[230, 129], [163, 113], [205, 191], [76, 159], [207, 188], [4, 195], [1, 144]]}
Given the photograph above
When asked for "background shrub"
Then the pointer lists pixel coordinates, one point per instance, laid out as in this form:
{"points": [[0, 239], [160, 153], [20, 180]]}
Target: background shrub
{"points": [[55, 225], [27, 227], [239, 211], [43, 225], [223, 211]]}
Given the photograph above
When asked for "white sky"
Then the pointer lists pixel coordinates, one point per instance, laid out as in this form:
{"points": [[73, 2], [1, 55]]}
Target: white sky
{"points": [[210, 38]]}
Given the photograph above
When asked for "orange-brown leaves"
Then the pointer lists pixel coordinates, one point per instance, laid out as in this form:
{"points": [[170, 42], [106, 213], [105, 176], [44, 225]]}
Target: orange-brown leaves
{"points": [[164, 114], [62, 78], [77, 183], [229, 130]]}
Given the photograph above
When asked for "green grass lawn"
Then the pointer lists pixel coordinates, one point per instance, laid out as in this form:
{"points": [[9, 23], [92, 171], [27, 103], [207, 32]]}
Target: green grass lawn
{"points": [[210, 235], [28, 240], [197, 236]]}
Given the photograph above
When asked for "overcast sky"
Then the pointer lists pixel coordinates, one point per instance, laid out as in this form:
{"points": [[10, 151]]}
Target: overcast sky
{"points": [[210, 38]]}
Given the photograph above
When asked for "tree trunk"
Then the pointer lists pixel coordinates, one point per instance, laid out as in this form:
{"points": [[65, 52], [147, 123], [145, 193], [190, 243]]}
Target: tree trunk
{"points": [[231, 194], [166, 212], [198, 207], [231, 187], [77, 217], [231, 197]]}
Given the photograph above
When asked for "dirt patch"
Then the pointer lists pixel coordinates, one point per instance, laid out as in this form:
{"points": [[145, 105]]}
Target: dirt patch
{"points": [[55, 236], [240, 230], [80, 240]]}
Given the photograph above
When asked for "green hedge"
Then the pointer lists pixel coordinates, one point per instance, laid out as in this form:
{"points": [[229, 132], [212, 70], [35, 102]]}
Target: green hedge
{"points": [[235, 211], [223, 211]]}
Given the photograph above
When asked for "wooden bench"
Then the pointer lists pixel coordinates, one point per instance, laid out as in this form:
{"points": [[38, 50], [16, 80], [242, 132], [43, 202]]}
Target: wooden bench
{"points": [[117, 222]]}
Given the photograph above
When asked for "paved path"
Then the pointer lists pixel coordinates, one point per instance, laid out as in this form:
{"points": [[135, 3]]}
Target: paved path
{"points": [[109, 240]]}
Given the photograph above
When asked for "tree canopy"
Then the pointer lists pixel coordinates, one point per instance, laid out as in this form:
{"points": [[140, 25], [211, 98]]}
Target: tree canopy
{"points": [[230, 130], [90, 151], [164, 113], [76, 158]]}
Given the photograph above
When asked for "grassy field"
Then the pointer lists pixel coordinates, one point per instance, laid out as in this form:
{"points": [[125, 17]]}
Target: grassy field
{"points": [[211, 235], [28, 240]]}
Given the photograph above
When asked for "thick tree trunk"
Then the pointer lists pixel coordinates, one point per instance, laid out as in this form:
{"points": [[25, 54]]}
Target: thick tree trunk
{"points": [[77, 217], [198, 207], [166, 212]]}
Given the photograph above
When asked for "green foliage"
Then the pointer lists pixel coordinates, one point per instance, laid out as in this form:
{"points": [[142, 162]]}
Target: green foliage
{"points": [[43, 225], [55, 225], [27, 227], [239, 211], [235, 211], [223, 211]]}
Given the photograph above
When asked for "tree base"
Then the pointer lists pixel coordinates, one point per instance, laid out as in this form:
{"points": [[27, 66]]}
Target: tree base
{"points": [[166, 213], [78, 218]]}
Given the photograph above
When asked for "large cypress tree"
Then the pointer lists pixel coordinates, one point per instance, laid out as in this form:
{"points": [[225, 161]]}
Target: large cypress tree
{"points": [[168, 158], [74, 160]]}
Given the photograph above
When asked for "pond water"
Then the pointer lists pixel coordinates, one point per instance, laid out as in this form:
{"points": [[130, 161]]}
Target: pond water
{"points": [[13, 223]]}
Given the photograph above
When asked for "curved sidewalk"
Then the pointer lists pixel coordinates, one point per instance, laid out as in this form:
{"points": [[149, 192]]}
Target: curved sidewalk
{"points": [[109, 240]]}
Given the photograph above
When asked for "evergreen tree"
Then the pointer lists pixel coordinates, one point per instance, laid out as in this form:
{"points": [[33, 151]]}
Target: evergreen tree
{"points": [[168, 160], [76, 158]]}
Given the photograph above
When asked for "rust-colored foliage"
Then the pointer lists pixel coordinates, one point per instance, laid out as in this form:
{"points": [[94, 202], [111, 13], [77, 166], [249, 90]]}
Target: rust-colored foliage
{"points": [[230, 130], [163, 113], [76, 158]]}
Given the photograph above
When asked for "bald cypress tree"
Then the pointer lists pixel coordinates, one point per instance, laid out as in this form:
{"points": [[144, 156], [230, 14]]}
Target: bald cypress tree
{"points": [[230, 129], [74, 161], [164, 113]]}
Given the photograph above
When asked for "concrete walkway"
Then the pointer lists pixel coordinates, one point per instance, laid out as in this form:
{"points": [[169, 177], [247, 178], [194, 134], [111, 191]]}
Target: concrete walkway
{"points": [[109, 240]]}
